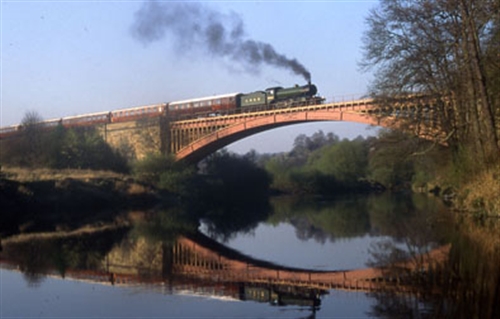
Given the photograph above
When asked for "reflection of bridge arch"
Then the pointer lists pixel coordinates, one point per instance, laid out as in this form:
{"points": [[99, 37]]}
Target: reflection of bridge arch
{"points": [[194, 256], [199, 256], [191, 259], [193, 140]]}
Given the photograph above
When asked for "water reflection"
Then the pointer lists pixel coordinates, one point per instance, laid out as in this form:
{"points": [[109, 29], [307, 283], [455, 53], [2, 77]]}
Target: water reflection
{"points": [[164, 250], [178, 258], [355, 216], [37, 255], [323, 220], [465, 285]]}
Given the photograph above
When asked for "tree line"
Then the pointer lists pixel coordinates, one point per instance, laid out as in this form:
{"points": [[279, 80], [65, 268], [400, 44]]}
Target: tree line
{"points": [[59, 148], [325, 164]]}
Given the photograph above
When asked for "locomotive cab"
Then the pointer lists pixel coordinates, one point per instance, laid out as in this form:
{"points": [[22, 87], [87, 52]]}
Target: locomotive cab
{"points": [[271, 93]]}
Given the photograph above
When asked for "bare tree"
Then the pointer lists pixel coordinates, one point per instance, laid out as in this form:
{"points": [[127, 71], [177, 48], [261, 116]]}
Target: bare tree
{"points": [[32, 142], [440, 48]]}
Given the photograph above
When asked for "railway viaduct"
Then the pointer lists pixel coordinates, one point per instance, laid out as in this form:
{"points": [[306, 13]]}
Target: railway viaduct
{"points": [[193, 139]]}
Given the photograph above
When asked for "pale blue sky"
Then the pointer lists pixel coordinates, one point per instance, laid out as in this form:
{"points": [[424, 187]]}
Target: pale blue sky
{"points": [[64, 58]]}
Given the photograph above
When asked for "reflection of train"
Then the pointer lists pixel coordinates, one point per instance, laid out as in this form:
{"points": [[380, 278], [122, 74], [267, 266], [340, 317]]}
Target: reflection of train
{"points": [[276, 97]]}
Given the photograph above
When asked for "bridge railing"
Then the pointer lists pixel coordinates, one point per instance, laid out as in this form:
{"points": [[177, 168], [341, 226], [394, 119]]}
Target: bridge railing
{"points": [[346, 98], [351, 105]]}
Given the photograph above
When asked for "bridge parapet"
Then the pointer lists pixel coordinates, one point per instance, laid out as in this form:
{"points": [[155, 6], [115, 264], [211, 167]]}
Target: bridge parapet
{"points": [[356, 105]]}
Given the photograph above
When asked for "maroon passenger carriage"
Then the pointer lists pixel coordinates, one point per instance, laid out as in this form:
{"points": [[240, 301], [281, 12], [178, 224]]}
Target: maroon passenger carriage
{"points": [[7, 131], [139, 112], [212, 105], [14, 129], [86, 119]]}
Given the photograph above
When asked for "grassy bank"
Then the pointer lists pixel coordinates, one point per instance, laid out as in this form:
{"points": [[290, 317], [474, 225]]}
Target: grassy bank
{"points": [[481, 194]]}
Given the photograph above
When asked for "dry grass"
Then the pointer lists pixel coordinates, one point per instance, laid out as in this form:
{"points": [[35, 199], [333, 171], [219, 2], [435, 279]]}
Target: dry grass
{"points": [[84, 230], [44, 174], [483, 194]]}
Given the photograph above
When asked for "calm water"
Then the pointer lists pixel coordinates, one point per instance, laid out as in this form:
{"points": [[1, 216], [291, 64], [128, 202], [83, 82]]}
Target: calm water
{"points": [[130, 272]]}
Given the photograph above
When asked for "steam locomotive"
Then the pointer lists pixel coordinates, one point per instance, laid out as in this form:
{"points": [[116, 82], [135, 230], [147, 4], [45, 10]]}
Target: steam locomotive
{"points": [[275, 97], [271, 98]]}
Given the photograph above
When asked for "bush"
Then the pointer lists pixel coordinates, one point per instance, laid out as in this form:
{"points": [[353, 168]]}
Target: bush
{"points": [[238, 175], [150, 168], [164, 172]]}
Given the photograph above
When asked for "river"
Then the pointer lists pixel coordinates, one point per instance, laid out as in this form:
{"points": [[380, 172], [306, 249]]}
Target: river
{"points": [[272, 265]]}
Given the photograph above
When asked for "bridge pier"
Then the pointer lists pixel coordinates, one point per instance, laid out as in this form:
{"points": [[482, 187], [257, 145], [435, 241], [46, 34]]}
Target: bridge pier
{"points": [[184, 134]]}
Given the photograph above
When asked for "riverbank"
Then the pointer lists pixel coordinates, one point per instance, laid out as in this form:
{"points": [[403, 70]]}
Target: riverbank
{"points": [[39, 199], [72, 189], [25, 188], [481, 195]]}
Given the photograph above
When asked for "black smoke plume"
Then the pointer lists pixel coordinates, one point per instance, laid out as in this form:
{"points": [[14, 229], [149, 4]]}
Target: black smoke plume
{"points": [[193, 25]]}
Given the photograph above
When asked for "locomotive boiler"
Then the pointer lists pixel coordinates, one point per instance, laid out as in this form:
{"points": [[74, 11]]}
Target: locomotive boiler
{"points": [[278, 97]]}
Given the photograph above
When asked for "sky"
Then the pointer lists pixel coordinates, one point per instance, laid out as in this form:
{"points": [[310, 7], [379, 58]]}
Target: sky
{"points": [[63, 58]]}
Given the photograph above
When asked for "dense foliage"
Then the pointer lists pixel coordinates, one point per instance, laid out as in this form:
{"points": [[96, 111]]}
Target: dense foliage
{"points": [[324, 164], [166, 173], [60, 147], [310, 168], [320, 164]]}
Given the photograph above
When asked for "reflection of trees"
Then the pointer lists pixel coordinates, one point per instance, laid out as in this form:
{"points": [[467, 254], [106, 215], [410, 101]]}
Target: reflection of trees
{"points": [[36, 255], [225, 222], [399, 305], [466, 286], [235, 194], [418, 225], [32, 261], [305, 230], [342, 218], [475, 265], [164, 225], [387, 211]]}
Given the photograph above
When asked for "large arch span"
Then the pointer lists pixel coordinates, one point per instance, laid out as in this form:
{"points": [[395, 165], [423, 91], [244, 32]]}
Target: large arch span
{"points": [[213, 141]]}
